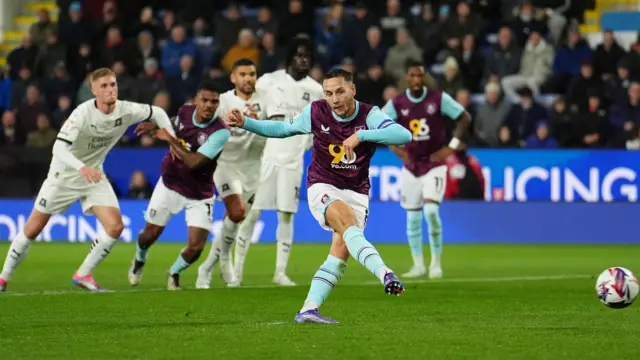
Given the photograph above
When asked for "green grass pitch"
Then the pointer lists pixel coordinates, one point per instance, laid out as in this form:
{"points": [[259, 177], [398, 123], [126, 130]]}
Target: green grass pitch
{"points": [[495, 302]]}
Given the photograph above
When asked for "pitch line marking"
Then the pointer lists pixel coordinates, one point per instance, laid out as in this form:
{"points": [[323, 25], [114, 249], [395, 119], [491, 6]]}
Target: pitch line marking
{"points": [[368, 283]]}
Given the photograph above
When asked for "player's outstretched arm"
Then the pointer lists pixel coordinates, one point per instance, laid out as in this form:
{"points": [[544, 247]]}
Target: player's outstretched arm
{"points": [[383, 130], [207, 152], [455, 111], [161, 119], [299, 125], [62, 152]]}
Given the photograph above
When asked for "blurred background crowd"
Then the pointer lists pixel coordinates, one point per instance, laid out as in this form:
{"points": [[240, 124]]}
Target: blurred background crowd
{"points": [[521, 67]]}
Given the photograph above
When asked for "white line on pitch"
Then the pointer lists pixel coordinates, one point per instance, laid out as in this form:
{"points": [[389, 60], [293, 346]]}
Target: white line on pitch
{"points": [[369, 283]]}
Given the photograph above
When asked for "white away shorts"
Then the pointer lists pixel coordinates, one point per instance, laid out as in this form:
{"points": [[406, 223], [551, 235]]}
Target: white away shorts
{"points": [[55, 198], [430, 186], [279, 188], [165, 203], [241, 179], [321, 195]]}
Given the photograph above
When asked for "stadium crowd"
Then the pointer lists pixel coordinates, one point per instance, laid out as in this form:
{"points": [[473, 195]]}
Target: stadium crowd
{"points": [[507, 52]]}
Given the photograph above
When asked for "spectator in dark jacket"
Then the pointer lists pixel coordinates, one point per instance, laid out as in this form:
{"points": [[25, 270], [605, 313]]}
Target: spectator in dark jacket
{"points": [[427, 32], [567, 62], [269, 60], [59, 83], [592, 123], [175, 48], [541, 139], [504, 58], [22, 56], [228, 25], [582, 85], [27, 113], [626, 114], [527, 21], [77, 30], [264, 23], [298, 19], [356, 29], [10, 133], [524, 117], [150, 82], [607, 55], [471, 63], [139, 187], [563, 127], [116, 48], [371, 86], [373, 52], [51, 53]]}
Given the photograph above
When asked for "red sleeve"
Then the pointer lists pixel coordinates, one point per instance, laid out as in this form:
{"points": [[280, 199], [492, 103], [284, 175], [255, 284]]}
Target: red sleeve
{"points": [[475, 165]]}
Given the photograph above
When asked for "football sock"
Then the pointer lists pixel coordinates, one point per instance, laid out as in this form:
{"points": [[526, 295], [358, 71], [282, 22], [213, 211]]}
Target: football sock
{"points": [[363, 251], [100, 248], [432, 215], [245, 234], [414, 236], [17, 252], [141, 252], [284, 238], [325, 279], [221, 244], [179, 265]]}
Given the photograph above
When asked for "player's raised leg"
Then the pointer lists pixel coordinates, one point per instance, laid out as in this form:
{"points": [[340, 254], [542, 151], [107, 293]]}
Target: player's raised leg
{"points": [[284, 238], [147, 237], [21, 244], [111, 220], [189, 255], [222, 244], [245, 234]]}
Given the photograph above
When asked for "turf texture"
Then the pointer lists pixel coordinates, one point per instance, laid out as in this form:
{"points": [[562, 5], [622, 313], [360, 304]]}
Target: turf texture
{"points": [[495, 302]]}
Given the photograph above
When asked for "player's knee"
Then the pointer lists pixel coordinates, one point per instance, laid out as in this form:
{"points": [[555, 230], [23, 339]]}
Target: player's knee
{"points": [[432, 214], [414, 221], [236, 215], [151, 232], [339, 247], [35, 224], [114, 229], [285, 217]]}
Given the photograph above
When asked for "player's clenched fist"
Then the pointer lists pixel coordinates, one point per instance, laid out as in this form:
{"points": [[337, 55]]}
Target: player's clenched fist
{"points": [[349, 145], [235, 118], [92, 176]]}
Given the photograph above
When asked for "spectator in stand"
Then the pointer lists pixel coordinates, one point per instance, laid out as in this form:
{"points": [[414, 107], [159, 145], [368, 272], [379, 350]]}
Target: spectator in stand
{"points": [[535, 67], [168, 23], [19, 86], [139, 187], [567, 62], [427, 32], [109, 20], [44, 135], [626, 113], [592, 123], [372, 85], [269, 60], [51, 53], [582, 85], [77, 30], [505, 140], [183, 86], [465, 180], [41, 29], [524, 117], [147, 23], [84, 91], [27, 112], [59, 83], [22, 56], [329, 40], [633, 143], [463, 97], [527, 21], [147, 49], [490, 115], [298, 20], [462, 23], [245, 49], [316, 73], [373, 52], [504, 57], [229, 25], [264, 23], [150, 82], [10, 134], [562, 124], [82, 63], [356, 28], [617, 85], [127, 87], [541, 139], [471, 63], [451, 80], [62, 111], [392, 20], [5, 91], [348, 65], [117, 49], [607, 55], [404, 50], [174, 49]]}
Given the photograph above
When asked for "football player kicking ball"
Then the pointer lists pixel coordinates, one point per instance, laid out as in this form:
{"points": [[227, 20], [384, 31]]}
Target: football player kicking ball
{"points": [[186, 182], [424, 174], [345, 133], [238, 172], [91, 130], [282, 163]]}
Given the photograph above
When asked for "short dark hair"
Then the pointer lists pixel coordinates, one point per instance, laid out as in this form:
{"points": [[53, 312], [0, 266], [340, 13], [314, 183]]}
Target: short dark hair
{"points": [[412, 64], [242, 62], [338, 72], [208, 85], [297, 42]]}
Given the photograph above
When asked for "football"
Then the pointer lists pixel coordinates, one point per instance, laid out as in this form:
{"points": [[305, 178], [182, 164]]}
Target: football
{"points": [[617, 287]]}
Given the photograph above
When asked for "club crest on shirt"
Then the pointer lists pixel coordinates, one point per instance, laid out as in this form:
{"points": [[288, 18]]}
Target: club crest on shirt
{"points": [[325, 199], [202, 137], [431, 109]]}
